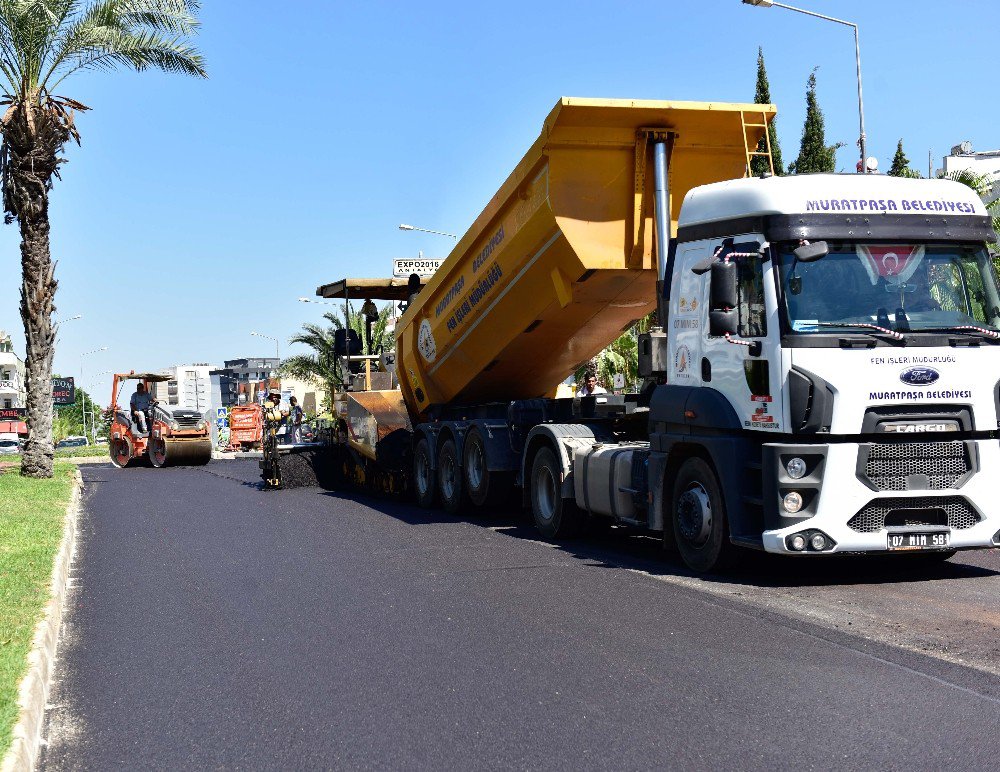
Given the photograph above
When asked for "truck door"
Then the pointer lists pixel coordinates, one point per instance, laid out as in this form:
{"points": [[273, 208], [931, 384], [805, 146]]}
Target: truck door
{"points": [[688, 315], [748, 375]]}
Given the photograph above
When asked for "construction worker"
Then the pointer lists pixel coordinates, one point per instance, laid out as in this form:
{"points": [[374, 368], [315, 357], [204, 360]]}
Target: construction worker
{"points": [[140, 404], [274, 410]]}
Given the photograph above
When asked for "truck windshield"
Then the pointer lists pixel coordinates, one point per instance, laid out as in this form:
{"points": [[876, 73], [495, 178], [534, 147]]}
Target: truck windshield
{"points": [[903, 287]]}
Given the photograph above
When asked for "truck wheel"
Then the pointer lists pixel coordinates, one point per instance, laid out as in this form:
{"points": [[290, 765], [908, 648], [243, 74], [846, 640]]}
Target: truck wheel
{"points": [[450, 482], [699, 517], [423, 475], [485, 488], [554, 515]]}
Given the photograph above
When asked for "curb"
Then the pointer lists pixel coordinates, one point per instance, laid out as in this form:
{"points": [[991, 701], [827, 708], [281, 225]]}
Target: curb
{"points": [[34, 690]]}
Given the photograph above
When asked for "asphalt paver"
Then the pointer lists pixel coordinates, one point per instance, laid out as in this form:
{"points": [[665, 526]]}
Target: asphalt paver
{"points": [[215, 625]]}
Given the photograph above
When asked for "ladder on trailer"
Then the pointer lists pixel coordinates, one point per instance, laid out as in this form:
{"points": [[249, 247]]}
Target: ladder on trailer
{"points": [[750, 154]]}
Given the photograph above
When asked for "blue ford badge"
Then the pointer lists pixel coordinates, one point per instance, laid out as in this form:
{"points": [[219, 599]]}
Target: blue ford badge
{"points": [[919, 376]]}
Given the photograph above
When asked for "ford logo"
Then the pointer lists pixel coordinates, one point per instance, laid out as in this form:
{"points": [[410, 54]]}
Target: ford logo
{"points": [[919, 376]]}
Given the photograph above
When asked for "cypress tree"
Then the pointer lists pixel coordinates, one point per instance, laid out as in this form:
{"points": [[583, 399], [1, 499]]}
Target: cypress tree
{"points": [[758, 164], [901, 164], [814, 154]]}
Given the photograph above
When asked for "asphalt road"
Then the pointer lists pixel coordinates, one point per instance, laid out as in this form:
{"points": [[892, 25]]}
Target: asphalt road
{"points": [[212, 625]]}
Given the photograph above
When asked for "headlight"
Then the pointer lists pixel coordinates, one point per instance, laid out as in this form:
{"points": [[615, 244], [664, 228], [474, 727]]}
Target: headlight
{"points": [[174, 425], [792, 502], [202, 425], [796, 468]]}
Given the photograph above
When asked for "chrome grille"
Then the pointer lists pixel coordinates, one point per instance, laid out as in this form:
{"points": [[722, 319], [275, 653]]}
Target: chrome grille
{"points": [[952, 511], [890, 464]]}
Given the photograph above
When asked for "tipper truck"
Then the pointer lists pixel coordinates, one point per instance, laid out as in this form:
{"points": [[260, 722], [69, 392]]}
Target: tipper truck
{"points": [[824, 377]]}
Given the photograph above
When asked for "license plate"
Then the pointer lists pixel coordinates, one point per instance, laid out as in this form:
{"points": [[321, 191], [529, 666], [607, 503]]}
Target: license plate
{"points": [[922, 540]]}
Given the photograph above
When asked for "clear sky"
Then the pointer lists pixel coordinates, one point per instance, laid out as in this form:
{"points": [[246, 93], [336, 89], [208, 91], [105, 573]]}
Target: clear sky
{"points": [[197, 211]]}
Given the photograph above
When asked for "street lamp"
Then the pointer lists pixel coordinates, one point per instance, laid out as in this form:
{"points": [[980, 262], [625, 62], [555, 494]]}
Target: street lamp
{"points": [[262, 335], [61, 321], [857, 55], [405, 227], [83, 357]]}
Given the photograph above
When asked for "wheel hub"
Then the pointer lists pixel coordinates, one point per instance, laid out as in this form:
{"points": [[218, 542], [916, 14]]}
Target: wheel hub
{"points": [[694, 514]]}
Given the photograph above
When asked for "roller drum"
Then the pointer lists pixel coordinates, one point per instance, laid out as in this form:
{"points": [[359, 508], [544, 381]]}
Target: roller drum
{"points": [[165, 451]]}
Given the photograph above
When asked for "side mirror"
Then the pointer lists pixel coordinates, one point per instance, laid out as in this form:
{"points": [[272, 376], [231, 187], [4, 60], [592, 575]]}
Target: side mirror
{"points": [[808, 253], [724, 288], [722, 322]]}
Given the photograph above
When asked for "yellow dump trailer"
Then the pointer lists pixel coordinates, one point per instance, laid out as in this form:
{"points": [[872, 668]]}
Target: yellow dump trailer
{"points": [[562, 258]]}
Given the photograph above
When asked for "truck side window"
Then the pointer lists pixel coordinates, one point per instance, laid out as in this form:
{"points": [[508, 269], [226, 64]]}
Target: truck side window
{"points": [[753, 318]]}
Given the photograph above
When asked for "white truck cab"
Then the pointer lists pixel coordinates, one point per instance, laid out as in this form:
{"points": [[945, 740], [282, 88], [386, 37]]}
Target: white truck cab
{"points": [[832, 360]]}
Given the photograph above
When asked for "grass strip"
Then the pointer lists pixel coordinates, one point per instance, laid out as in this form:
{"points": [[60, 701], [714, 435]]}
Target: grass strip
{"points": [[31, 527], [84, 451]]}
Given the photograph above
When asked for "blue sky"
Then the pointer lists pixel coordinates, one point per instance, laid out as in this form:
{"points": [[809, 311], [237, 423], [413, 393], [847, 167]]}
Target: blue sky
{"points": [[196, 211]]}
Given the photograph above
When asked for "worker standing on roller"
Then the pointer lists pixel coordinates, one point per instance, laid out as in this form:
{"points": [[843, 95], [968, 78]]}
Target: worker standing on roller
{"points": [[139, 405]]}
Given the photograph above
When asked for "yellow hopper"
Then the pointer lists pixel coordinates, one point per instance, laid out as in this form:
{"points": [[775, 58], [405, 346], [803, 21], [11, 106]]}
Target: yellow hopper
{"points": [[562, 258]]}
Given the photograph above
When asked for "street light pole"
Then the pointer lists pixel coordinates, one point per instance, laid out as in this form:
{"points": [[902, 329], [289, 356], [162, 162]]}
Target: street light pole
{"points": [[269, 337], [405, 227], [83, 410], [862, 140]]}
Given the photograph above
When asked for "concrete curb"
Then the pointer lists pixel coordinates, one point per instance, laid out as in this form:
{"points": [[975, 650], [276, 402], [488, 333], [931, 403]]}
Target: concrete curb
{"points": [[34, 691]]}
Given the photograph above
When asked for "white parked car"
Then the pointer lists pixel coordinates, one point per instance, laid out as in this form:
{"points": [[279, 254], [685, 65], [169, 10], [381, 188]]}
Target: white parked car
{"points": [[9, 444]]}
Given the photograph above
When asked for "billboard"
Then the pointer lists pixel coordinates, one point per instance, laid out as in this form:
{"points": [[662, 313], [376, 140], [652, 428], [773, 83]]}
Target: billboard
{"points": [[422, 266], [63, 391], [12, 413]]}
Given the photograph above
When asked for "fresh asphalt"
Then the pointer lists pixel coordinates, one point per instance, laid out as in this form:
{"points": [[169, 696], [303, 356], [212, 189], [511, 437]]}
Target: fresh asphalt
{"points": [[214, 625]]}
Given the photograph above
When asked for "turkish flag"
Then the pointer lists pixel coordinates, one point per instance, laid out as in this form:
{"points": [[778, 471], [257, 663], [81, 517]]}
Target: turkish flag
{"points": [[894, 263]]}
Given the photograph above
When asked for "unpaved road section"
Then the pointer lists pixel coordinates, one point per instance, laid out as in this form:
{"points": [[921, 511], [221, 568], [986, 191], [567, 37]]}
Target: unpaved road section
{"points": [[212, 625]]}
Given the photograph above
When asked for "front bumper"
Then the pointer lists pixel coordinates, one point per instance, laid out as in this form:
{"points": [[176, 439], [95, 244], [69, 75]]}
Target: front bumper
{"points": [[834, 494]]}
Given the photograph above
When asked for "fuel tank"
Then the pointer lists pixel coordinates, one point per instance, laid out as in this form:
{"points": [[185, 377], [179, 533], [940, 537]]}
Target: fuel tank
{"points": [[562, 258]]}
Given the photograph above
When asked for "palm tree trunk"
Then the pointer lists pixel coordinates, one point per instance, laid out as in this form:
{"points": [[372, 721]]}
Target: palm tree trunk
{"points": [[38, 290]]}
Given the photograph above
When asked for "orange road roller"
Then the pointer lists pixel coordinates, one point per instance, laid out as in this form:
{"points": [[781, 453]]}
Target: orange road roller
{"points": [[168, 437]]}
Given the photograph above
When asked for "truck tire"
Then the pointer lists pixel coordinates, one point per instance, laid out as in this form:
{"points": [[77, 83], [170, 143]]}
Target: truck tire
{"points": [[555, 517], [423, 475], [451, 485], [485, 488], [698, 518]]}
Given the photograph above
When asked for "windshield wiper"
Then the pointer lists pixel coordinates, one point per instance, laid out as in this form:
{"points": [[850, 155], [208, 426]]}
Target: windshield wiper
{"points": [[865, 326], [968, 329]]}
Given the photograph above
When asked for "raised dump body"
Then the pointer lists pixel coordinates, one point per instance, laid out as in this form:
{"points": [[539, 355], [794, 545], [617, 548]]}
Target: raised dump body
{"points": [[562, 258]]}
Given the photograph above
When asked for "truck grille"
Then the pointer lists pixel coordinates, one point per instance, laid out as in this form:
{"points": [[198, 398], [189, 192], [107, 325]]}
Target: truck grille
{"points": [[952, 511], [891, 465], [187, 420]]}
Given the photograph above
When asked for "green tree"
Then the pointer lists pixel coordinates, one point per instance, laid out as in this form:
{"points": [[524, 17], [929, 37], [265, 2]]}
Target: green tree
{"points": [[758, 164], [901, 164], [322, 363], [68, 420], [43, 42], [814, 154], [621, 356]]}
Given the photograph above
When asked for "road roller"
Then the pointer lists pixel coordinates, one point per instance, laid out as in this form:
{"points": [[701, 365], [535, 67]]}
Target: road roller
{"points": [[174, 437]]}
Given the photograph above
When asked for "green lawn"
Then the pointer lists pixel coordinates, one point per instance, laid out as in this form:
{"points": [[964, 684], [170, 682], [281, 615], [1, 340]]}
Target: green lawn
{"points": [[84, 451], [31, 525]]}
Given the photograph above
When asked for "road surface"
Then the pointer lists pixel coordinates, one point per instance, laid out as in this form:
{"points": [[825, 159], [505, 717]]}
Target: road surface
{"points": [[213, 625]]}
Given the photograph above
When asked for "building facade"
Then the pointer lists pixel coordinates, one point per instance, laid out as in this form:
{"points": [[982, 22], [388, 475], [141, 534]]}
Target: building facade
{"points": [[190, 386], [12, 378], [983, 162]]}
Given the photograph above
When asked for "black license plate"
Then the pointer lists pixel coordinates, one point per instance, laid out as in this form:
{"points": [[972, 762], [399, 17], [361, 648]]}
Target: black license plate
{"points": [[920, 540]]}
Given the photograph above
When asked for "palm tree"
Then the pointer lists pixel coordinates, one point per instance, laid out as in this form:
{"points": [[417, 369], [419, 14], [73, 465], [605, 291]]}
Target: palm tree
{"points": [[43, 42], [323, 363], [985, 186]]}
